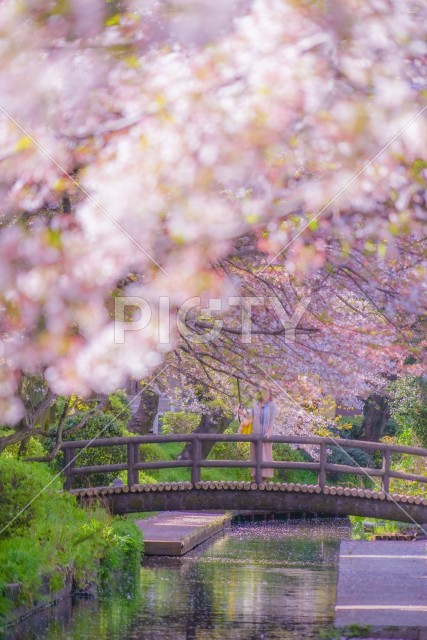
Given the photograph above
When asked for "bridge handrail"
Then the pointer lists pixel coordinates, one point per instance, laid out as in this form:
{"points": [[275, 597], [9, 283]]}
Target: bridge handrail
{"points": [[133, 465], [235, 437]]}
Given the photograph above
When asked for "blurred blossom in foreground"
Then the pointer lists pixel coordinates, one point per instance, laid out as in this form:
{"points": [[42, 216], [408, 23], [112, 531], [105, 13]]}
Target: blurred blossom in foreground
{"points": [[139, 143]]}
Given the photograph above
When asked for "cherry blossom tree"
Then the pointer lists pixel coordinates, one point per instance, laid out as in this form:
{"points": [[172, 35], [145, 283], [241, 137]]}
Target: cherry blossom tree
{"points": [[142, 142], [352, 335]]}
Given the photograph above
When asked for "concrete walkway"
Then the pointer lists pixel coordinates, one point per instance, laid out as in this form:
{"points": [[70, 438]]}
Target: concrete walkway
{"points": [[382, 584], [174, 533]]}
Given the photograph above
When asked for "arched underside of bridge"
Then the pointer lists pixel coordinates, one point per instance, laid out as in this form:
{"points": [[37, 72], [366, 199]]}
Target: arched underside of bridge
{"points": [[274, 498]]}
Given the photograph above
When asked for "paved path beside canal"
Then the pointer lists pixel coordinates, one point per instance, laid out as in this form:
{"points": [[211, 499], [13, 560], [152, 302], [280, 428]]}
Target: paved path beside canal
{"points": [[382, 583], [174, 533]]}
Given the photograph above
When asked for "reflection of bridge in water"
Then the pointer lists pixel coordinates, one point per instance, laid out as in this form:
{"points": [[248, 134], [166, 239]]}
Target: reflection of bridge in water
{"points": [[257, 495]]}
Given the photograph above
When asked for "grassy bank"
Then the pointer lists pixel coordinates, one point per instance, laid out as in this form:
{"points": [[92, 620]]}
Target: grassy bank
{"points": [[367, 528], [43, 539]]}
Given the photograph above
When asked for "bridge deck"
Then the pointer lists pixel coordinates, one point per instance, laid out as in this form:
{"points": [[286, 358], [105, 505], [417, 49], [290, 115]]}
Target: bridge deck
{"points": [[174, 534], [382, 584], [273, 497]]}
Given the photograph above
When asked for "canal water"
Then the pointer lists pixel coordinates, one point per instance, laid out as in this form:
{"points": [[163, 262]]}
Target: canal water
{"points": [[273, 580]]}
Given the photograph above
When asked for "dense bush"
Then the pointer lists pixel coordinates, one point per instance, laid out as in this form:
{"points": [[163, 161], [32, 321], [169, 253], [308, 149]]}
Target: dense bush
{"points": [[55, 536], [30, 448], [230, 450], [419, 419], [352, 457], [283, 452], [349, 427], [179, 422], [104, 424], [19, 483], [118, 405]]}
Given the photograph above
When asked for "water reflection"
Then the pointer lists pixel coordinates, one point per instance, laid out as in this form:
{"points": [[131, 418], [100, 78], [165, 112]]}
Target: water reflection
{"points": [[274, 580]]}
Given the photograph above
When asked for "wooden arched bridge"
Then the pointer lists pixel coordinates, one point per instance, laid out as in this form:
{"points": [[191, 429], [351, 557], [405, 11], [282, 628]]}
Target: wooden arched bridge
{"points": [[321, 498]]}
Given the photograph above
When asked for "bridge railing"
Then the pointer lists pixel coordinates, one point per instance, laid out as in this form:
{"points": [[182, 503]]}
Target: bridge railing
{"points": [[133, 464]]}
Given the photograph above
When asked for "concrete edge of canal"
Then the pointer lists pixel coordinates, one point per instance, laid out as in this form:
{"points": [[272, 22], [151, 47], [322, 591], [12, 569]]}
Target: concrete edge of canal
{"points": [[177, 533], [382, 586]]}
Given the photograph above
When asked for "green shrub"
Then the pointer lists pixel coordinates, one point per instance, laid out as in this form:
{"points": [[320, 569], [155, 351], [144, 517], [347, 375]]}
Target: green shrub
{"points": [[99, 425], [19, 483], [144, 478], [282, 452], [349, 427], [151, 452], [230, 450], [118, 405], [33, 448], [351, 457], [409, 409], [179, 422], [419, 418]]}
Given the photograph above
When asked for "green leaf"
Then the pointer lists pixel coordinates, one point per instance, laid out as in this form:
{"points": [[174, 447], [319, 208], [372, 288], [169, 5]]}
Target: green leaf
{"points": [[113, 20]]}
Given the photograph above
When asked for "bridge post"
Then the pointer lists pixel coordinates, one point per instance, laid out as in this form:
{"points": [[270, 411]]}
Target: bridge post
{"points": [[131, 462], [196, 455], [322, 470], [136, 460], [386, 471], [68, 465], [258, 460]]}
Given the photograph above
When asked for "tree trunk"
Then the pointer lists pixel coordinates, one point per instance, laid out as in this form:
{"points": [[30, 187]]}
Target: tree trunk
{"points": [[142, 421], [376, 414], [20, 432], [214, 422], [23, 447]]}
